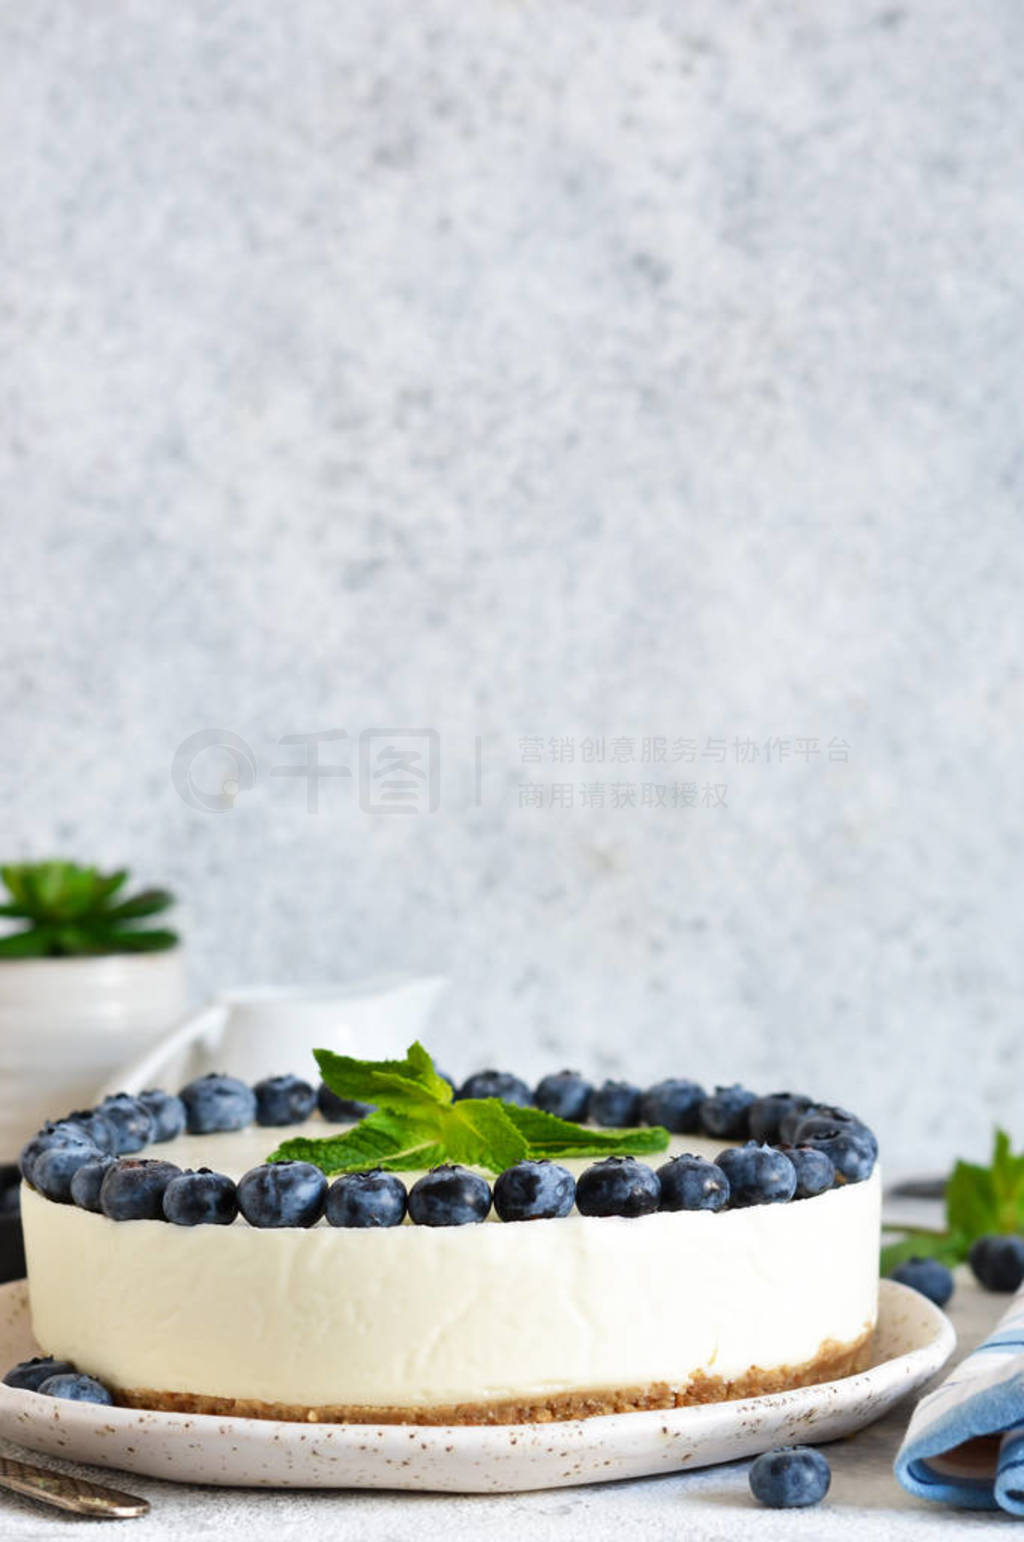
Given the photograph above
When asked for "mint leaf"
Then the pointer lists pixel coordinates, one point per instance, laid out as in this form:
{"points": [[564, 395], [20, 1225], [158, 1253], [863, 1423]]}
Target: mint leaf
{"points": [[924, 1244], [379, 1140], [480, 1132], [549, 1136], [407, 1084]]}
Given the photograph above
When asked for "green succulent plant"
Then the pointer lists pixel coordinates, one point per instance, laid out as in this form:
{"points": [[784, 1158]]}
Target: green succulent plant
{"points": [[73, 911]]}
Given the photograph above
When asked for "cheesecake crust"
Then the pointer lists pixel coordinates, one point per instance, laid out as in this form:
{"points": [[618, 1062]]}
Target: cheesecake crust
{"points": [[832, 1361]]}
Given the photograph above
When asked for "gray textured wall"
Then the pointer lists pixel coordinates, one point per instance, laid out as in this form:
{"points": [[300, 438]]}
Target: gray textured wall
{"points": [[540, 372]]}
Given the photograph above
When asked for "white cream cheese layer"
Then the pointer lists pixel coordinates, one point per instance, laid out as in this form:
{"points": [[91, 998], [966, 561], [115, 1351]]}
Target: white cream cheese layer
{"points": [[415, 1316]]}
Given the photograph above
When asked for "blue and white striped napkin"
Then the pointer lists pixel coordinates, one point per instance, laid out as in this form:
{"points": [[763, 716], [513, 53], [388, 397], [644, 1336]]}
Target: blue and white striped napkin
{"points": [[965, 1442]]}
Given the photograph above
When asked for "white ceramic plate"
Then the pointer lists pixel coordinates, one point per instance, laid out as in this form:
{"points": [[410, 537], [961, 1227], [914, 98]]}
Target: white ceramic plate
{"points": [[913, 1340]]}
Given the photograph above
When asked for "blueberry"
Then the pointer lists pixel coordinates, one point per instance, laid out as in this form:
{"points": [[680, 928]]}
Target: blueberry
{"points": [[283, 1100], [449, 1196], [80, 1389], [790, 1477], [758, 1175], [99, 1129], [815, 1171], [563, 1093], [53, 1170], [534, 1191], [724, 1114], [926, 1275], [132, 1123], [615, 1105], [200, 1198], [765, 1115], [373, 1198], [133, 1189], [789, 1121], [51, 1135], [496, 1084], [282, 1194], [620, 1185], [29, 1375], [87, 1181], [217, 1102], [849, 1143], [166, 1111], [998, 1262], [674, 1103], [340, 1110], [691, 1183]]}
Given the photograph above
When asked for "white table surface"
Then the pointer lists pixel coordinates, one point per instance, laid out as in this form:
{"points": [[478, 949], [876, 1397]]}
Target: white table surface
{"points": [[865, 1500]]}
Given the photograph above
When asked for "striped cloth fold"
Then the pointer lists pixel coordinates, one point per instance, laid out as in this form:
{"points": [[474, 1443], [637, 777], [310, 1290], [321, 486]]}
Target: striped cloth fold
{"points": [[964, 1445]]}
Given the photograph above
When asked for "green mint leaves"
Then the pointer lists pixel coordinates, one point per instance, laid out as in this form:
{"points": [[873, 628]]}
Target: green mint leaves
{"points": [[416, 1124], [979, 1200]]}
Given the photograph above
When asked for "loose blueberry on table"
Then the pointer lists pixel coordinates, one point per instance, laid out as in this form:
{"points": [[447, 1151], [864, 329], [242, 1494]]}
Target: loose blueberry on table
{"points": [[998, 1262], [789, 1478], [926, 1275], [29, 1375], [79, 1388]]}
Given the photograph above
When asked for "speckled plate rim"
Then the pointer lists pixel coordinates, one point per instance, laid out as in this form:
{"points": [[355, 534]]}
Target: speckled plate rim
{"points": [[913, 1341]]}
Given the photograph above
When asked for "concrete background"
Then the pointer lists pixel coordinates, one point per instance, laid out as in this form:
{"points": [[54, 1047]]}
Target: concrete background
{"points": [[536, 373]]}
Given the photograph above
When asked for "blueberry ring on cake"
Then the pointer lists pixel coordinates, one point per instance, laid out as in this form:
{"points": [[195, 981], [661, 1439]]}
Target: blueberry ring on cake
{"points": [[386, 1247]]}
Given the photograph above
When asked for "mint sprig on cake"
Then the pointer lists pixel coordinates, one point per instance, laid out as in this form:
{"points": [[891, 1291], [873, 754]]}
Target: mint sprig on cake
{"points": [[416, 1122]]}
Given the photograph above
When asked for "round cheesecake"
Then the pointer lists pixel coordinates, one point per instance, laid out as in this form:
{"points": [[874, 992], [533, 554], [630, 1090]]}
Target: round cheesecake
{"points": [[495, 1322]]}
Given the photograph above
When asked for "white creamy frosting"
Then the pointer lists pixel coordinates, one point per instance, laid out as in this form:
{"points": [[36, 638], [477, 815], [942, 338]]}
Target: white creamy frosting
{"points": [[414, 1316]]}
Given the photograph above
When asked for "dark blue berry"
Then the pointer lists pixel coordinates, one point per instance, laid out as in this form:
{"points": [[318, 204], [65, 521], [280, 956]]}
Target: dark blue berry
{"points": [[87, 1181], [926, 1275], [691, 1183], [53, 1170], [100, 1130], [675, 1104], [283, 1100], [449, 1196], [132, 1123], [765, 1115], [133, 1189], [789, 1478], [998, 1262], [849, 1143], [282, 1194], [790, 1120], [217, 1102], [340, 1110], [166, 1111], [534, 1191], [615, 1105], [51, 1135], [815, 1172], [29, 1375], [724, 1114], [758, 1175], [200, 1198], [563, 1093], [367, 1199], [496, 1084], [620, 1185], [80, 1389]]}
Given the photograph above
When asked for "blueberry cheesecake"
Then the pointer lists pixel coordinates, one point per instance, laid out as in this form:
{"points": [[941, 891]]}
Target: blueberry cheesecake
{"points": [[379, 1244]]}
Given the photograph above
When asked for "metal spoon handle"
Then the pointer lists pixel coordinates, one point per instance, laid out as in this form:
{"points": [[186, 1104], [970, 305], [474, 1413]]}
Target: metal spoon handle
{"points": [[68, 1493]]}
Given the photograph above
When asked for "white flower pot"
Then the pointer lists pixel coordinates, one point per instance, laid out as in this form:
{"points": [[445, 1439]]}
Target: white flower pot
{"points": [[66, 1024]]}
